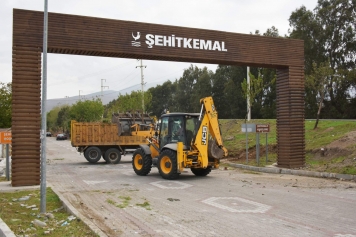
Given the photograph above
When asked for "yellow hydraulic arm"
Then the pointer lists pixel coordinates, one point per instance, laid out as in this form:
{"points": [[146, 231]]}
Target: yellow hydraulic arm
{"points": [[208, 125], [209, 110]]}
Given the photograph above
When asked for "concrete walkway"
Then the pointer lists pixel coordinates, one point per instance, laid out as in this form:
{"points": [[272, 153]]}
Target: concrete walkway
{"points": [[6, 187]]}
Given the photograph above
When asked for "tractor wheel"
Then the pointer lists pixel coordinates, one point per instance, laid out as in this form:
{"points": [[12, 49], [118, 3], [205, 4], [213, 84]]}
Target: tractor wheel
{"points": [[141, 162], [167, 164], [92, 154], [201, 172], [112, 156]]}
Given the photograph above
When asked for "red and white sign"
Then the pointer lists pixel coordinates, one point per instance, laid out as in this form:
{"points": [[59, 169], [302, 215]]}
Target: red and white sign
{"points": [[5, 137], [262, 128]]}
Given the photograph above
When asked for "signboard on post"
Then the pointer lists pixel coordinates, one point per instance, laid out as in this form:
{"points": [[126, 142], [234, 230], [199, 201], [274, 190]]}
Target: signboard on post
{"points": [[5, 137], [251, 127], [262, 128], [256, 128]]}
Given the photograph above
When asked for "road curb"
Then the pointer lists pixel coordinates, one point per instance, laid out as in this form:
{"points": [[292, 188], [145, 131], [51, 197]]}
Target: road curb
{"points": [[277, 170], [5, 231], [69, 208]]}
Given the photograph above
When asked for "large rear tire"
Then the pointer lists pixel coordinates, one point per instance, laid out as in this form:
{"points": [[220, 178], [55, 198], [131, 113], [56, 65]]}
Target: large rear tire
{"points": [[167, 164], [201, 172], [141, 162], [92, 154], [112, 156]]}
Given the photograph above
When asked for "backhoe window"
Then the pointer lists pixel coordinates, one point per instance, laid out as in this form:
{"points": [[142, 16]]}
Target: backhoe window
{"points": [[172, 130], [178, 129], [191, 124]]}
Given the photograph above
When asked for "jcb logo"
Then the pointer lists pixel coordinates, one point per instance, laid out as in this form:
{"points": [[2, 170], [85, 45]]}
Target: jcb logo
{"points": [[204, 135]]}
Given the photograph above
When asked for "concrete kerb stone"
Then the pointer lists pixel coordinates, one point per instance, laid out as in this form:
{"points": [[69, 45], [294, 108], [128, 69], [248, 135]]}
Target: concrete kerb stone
{"points": [[5, 231], [277, 170], [70, 209]]}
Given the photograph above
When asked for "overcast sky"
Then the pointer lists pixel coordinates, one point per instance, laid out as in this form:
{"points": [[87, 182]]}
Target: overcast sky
{"points": [[69, 74]]}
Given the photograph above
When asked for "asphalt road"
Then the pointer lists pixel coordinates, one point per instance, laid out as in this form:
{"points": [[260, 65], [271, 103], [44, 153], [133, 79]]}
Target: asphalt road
{"points": [[228, 202]]}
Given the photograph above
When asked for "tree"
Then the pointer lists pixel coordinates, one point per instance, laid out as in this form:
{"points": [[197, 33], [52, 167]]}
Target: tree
{"points": [[87, 111], [185, 99], [255, 88], [227, 91], [163, 97], [329, 34], [202, 87], [318, 81], [52, 119], [5, 105], [130, 102], [63, 118]]}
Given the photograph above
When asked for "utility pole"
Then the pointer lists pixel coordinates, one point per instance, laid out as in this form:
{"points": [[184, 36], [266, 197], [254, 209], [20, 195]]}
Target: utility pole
{"points": [[102, 87], [248, 95], [43, 185], [142, 84], [79, 94]]}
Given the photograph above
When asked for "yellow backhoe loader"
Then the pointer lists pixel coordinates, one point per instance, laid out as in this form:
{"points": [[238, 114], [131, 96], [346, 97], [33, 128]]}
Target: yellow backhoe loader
{"points": [[184, 140]]}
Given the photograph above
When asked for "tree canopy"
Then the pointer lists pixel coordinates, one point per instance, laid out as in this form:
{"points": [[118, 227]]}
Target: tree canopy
{"points": [[5, 105], [87, 111], [329, 36]]}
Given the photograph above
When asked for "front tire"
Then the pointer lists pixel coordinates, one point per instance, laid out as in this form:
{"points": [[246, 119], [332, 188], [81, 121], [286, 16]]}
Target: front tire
{"points": [[112, 156], [141, 162], [92, 154], [201, 172], [167, 164]]}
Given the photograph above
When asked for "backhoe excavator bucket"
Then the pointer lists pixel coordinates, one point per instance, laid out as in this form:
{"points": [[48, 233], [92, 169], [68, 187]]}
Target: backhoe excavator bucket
{"points": [[214, 151]]}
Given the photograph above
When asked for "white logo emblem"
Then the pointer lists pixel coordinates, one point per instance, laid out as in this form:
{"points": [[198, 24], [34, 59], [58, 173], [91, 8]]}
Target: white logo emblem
{"points": [[137, 37], [204, 135]]}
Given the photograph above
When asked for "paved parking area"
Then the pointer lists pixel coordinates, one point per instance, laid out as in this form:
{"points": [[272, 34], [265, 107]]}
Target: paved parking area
{"points": [[229, 202]]}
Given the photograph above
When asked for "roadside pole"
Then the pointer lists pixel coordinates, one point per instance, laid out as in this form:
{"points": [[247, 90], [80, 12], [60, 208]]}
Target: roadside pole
{"points": [[43, 111], [7, 163]]}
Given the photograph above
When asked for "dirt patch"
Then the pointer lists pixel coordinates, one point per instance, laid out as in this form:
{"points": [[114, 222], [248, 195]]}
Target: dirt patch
{"points": [[328, 129], [241, 153], [327, 154], [337, 157], [348, 140]]}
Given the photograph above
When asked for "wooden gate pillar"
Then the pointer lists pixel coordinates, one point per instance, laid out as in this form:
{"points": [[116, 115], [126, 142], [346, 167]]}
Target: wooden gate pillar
{"points": [[26, 115], [290, 117]]}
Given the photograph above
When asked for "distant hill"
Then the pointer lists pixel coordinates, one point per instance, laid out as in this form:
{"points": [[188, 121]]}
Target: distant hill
{"points": [[108, 95]]}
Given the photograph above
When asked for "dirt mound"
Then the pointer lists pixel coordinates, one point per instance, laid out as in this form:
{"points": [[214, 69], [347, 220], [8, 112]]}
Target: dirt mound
{"points": [[338, 156], [348, 140]]}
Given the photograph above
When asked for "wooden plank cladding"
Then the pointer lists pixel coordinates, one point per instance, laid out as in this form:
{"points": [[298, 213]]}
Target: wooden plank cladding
{"points": [[290, 117], [26, 116], [70, 34], [81, 35]]}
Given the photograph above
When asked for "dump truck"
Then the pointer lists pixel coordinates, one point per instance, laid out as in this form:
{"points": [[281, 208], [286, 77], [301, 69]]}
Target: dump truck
{"points": [[184, 140], [111, 140]]}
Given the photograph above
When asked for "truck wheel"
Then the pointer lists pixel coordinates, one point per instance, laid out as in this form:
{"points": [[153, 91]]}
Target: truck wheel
{"points": [[201, 172], [112, 156], [141, 162], [167, 164], [92, 154]]}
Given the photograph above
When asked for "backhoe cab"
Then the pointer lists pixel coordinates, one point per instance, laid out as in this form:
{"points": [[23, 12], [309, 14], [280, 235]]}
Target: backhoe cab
{"points": [[185, 140]]}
